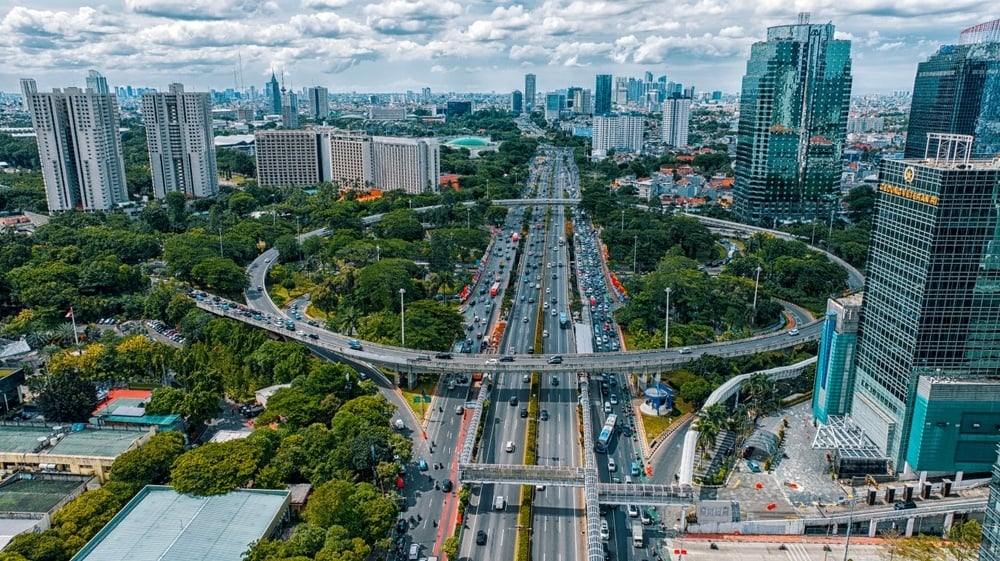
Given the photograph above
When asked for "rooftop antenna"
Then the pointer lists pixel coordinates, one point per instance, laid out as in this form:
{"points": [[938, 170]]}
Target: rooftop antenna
{"points": [[242, 84], [803, 18]]}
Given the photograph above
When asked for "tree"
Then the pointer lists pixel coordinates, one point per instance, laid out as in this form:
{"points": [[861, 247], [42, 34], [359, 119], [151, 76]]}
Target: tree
{"points": [[963, 540], [149, 464], [67, 398], [216, 468], [221, 274]]}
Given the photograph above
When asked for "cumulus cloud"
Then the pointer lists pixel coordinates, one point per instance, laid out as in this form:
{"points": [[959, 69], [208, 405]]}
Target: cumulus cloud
{"points": [[201, 9], [325, 4]]}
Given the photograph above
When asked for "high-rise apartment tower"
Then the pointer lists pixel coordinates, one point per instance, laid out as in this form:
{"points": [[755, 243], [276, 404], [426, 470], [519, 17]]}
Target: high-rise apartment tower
{"points": [[181, 143]]}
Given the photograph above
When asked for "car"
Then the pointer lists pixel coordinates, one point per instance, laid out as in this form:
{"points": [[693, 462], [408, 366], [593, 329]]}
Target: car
{"points": [[267, 260], [480, 537], [354, 344], [612, 466], [545, 305], [300, 333], [555, 359], [524, 319], [513, 401], [605, 530], [555, 380], [524, 412], [904, 505], [545, 333], [526, 378], [313, 336], [793, 332], [684, 350], [446, 485], [510, 446], [402, 525], [443, 356], [506, 358], [544, 415], [613, 399], [645, 516], [422, 464], [459, 409], [492, 361], [633, 512]]}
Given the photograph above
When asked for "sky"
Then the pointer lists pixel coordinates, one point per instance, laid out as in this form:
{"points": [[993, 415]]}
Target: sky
{"points": [[451, 45]]}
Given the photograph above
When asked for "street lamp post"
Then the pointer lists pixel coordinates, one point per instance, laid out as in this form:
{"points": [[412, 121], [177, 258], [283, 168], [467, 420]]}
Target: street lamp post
{"points": [[666, 321], [220, 241], [623, 220], [635, 245], [756, 283], [850, 522], [378, 253], [468, 224], [402, 317]]}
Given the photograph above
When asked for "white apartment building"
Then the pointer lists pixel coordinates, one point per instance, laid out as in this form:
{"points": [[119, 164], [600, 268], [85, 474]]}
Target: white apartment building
{"points": [[621, 133], [79, 149], [288, 157], [410, 164], [676, 121], [351, 158], [181, 143]]}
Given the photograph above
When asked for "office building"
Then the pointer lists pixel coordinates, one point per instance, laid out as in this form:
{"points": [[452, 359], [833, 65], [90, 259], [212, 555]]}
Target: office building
{"points": [[79, 149], [387, 113], [554, 104], [676, 121], [582, 102], [180, 141], [97, 82], [352, 159], [957, 90], [273, 90], [28, 87], [926, 388], [793, 121], [517, 102], [319, 103], [838, 343], [618, 133], [529, 92], [289, 110], [602, 95], [457, 108]]}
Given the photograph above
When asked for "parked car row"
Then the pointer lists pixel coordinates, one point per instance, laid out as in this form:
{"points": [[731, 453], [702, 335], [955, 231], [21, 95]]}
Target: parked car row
{"points": [[172, 334]]}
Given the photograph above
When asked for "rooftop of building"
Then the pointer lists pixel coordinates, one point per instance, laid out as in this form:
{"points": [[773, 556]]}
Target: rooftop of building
{"points": [[33, 439], [853, 299], [126, 406], [160, 523]]}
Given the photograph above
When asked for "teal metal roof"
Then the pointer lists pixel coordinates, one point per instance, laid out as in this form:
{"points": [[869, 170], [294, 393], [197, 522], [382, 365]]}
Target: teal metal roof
{"points": [[160, 524]]}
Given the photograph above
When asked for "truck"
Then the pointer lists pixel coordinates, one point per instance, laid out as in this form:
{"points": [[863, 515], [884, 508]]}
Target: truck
{"points": [[637, 534], [494, 289]]}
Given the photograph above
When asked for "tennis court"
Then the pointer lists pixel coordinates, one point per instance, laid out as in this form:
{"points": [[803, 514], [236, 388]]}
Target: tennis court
{"points": [[34, 495]]}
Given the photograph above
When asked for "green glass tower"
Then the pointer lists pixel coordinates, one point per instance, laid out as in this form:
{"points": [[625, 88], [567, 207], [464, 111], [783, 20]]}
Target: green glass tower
{"points": [[957, 90], [793, 124], [927, 372]]}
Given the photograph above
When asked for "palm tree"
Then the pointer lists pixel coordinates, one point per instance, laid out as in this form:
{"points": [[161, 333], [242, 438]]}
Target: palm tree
{"points": [[707, 427], [346, 319]]}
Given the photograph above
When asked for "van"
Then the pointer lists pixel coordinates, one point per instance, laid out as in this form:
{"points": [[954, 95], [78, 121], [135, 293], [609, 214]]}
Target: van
{"points": [[423, 357], [607, 407], [499, 503], [414, 552]]}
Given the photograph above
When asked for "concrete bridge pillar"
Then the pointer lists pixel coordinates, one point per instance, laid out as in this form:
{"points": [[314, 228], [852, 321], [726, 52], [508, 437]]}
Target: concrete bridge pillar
{"points": [[872, 528], [411, 380], [949, 520], [909, 527]]}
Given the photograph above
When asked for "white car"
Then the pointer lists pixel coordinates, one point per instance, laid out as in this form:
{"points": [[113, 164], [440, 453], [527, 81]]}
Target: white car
{"points": [[793, 332], [510, 446], [612, 466], [492, 361], [605, 530]]}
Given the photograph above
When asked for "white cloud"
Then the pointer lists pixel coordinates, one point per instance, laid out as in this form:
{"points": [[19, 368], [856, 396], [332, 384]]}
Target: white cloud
{"points": [[201, 9]]}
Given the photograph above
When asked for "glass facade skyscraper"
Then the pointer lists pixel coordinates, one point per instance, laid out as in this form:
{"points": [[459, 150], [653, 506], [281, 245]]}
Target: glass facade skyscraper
{"points": [[529, 92], [926, 388], [957, 90], [793, 122], [602, 95]]}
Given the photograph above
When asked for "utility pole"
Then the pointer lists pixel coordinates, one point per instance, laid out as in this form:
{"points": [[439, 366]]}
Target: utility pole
{"points": [[756, 283], [666, 322], [402, 318]]}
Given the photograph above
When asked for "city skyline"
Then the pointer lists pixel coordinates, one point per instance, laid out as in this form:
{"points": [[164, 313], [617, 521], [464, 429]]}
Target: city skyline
{"points": [[449, 46]]}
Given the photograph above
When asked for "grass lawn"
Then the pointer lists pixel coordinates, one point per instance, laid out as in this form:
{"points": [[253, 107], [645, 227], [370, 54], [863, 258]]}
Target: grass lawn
{"points": [[280, 294], [655, 426], [426, 383]]}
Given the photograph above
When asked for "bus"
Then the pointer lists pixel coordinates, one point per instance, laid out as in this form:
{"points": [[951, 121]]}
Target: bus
{"points": [[606, 433], [563, 320], [495, 289]]}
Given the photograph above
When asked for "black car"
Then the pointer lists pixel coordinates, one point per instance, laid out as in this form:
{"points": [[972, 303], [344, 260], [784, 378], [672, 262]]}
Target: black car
{"points": [[513, 400], [401, 525], [544, 415], [907, 505], [524, 412], [555, 379], [480, 538], [446, 486], [313, 336], [443, 356], [506, 358]]}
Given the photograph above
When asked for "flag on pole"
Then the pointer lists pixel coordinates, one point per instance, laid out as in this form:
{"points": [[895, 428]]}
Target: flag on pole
{"points": [[69, 314]]}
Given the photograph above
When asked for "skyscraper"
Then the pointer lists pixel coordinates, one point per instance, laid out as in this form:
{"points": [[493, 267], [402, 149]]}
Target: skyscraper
{"points": [[793, 121], [79, 149], [602, 95], [274, 94], [97, 82], [289, 110], [319, 102], [582, 102], [529, 92], [676, 120], [926, 387], [181, 143], [554, 104], [517, 102], [957, 90], [28, 87]]}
